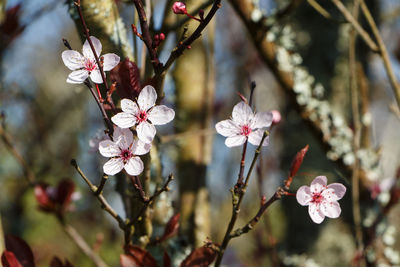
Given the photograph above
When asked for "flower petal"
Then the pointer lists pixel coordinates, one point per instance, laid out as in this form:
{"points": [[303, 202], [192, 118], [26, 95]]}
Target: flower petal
{"points": [[140, 148], [160, 115], [227, 128], [129, 106], [87, 51], [147, 98], [236, 140], [77, 76], [262, 120], [113, 166], [123, 138], [108, 148], [256, 136], [134, 166], [124, 120], [329, 194], [72, 59], [95, 76], [330, 209], [110, 60], [315, 213], [303, 195], [242, 113], [318, 184], [339, 189], [146, 131]]}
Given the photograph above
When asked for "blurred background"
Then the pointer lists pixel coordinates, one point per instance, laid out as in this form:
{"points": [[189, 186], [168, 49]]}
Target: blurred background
{"points": [[51, 122]]}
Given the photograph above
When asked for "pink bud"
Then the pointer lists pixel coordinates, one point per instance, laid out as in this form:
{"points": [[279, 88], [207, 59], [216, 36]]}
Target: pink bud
{"points": [[162, 36], [276, 117], [179, 8]]}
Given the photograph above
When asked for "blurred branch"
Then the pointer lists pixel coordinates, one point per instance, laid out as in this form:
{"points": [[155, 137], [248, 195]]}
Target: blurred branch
{"points": [[319, 9]]}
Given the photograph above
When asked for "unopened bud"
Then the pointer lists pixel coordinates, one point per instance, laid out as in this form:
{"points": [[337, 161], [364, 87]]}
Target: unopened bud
{"points": [[179, 8], [298, 160], [162, 37], [276, 116], [201, 14]]}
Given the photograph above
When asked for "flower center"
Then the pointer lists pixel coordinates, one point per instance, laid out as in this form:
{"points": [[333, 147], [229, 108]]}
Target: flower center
{"points": [[141, 116], [90, 65], [126, 155], [317, 198], [246, 130]]}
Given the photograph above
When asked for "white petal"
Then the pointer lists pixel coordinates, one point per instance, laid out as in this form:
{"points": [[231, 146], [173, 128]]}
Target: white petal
{"points": [[318, 184], [329, 194], [147, 98], [72, 59], [129, 106], [77, 76], [140, 148], [339, 189], [235, 140], [95, 76], [125, 139], [242, 113], [227, 128], [315, 213], [108, 148], [146, 132], [160, 115], [134, 166], [124, 120], [110, 60], [330, 209], [256, 136], [303, 195], [113, 166], [262, 120], [87, 51]]}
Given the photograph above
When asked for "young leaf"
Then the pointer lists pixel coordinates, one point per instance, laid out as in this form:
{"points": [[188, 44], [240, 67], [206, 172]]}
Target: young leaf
{"points": [[8, 259], [200, 257], [171, 228], [127, 76], [21, 250], [137, 255]]}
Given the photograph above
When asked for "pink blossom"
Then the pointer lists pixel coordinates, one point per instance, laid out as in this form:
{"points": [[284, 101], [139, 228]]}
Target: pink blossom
{"points": [[321, 199], [276, 116], [123, 151], [244, 125], [84, 66], [144, 114], [179, 8]]}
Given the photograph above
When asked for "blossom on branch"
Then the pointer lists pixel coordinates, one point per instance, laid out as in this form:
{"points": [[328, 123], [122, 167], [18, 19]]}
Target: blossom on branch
{"points": [[179, 8], [144, 114], [123, 151], [244, 125], [321, 199], [84, 66]]}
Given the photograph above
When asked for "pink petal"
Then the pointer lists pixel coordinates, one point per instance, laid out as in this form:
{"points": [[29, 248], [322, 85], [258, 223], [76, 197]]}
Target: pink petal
{"points": [[123, 138], [113, 166], [318, 184], [160, 115], [147, 98], [242, 113], [77, 76], [72, 59], [330, 209], [329, 194], [129, 106], [134, 166], [256, 136], [108, 148], [303, 195], [124, 120], [87, 51], [235, 140], [339, 189], [146, 132], [315, 213], [262, 120], [95, 76], [110, 60], [140, 148], [227, 128]]}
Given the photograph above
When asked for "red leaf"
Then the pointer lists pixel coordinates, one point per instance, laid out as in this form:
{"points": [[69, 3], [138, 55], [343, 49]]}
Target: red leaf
{"points": [[200, 257], [298, 160], [138, 256], [57, 262], [8, 259], [43, 199], [171, 228], [127, 76], [21, 250], [166, 260], [127, 261], [64, 192]]}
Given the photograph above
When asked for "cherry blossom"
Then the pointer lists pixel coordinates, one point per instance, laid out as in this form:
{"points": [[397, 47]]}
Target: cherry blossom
{"points": [[179, 8], [123, 151], [244, 125], [321, 199], [144, 114], [84, 66]]}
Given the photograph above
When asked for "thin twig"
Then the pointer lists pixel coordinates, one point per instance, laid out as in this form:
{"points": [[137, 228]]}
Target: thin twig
{"points": [[319, 9]]}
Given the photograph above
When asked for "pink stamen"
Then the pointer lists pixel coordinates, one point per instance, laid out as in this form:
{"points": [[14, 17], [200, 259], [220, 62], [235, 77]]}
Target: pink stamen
{"points": [[90, 65], [125, 155], [246, 130], [317, 198], [141, 116]]}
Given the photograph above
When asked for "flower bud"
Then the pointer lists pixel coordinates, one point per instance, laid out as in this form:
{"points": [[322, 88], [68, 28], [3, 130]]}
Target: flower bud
{"points": [[179, 8], [276, 116]]}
